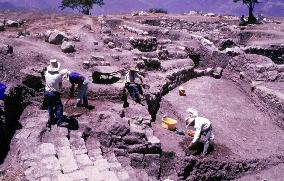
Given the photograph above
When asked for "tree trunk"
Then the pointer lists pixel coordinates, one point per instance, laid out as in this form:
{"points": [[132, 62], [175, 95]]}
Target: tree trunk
{"points": [[251, 18]]}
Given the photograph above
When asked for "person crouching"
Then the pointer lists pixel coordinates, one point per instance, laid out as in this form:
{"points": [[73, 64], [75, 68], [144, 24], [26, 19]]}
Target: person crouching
{"points": [[82, 87], [133, 87], [202, 126]]}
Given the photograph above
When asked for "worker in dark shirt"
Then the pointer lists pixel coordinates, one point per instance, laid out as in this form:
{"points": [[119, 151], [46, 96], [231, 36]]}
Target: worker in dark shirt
{"points": [[82, 87]]}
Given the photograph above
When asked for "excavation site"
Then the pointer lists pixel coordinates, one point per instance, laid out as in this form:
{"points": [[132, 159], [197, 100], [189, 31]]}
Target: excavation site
{"points": [[227, 74]]}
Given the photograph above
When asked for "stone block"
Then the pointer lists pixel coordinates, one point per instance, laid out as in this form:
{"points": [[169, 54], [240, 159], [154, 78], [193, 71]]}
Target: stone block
{"points": [[93, 174], [77, 175], [67, 160], [47, 149], [83, 160], [50, 163]]}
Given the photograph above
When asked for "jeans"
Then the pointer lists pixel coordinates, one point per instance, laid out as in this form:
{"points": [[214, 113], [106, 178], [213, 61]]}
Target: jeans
{"points": [[134, 91], [208, 136], [55, 107], [82, 94]]}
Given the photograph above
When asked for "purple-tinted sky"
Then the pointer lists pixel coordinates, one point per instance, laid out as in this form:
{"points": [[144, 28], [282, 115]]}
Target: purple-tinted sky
{"points": [[267, 7]]}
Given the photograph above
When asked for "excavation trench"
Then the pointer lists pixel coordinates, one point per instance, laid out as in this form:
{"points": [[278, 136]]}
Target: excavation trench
{"points": [[225, 160], [18, 98]]}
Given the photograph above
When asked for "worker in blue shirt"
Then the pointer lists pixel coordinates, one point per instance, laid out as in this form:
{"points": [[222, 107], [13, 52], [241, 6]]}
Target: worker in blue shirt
{"points": [[82, 87]]}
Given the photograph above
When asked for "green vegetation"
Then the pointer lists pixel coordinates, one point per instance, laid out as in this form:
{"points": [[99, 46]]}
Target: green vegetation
{"points": [[83, 6], [250, 4]]}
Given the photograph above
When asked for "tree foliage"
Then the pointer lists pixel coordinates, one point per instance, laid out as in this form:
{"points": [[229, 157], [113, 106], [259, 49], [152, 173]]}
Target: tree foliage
{"points": [[83, 6], [158, 10], [250, 4]]}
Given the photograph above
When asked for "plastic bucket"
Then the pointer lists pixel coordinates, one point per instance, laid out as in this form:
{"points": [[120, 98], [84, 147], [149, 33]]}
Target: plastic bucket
{"points": [[181, 91], [2, 91], [169, 123]]}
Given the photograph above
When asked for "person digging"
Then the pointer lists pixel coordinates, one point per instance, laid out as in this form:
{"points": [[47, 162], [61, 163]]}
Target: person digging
{"points": [[53, 80], [133, 87], [202, 126], [82, 88]]}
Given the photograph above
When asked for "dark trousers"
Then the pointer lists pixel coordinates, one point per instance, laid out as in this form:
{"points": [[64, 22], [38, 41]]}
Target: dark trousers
{"points": [[134, 91], [207, 133], [55, 107]]}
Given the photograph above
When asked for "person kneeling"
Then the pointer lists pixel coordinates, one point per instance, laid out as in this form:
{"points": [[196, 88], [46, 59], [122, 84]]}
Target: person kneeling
{"points": [[133, 87]]}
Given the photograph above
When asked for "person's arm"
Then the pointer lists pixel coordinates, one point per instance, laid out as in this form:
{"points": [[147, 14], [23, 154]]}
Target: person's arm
{"points": [[72, 89], [195, 138], [186, 122], [141, 78], [60, 82]]}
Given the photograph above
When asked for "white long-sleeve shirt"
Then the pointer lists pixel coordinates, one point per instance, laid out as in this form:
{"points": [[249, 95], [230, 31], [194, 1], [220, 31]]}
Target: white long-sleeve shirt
{"points": [[53, 80], [132, 77], [200, 125]]}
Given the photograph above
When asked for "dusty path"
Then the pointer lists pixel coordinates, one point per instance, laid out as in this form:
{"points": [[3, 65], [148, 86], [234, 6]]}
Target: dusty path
{"points": [[237, 123]]}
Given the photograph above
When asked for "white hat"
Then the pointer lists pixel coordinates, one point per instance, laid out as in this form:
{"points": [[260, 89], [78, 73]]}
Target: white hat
{"points": [[134, 69], [193, 113], [64, 72], [54, 66]]}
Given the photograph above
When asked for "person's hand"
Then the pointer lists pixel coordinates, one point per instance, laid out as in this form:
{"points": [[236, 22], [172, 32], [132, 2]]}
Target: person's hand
{"points": [[189, 146], [191, 133]]}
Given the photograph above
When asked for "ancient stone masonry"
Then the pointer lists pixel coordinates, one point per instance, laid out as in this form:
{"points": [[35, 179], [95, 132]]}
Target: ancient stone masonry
{"points": [[275, 52], [133, 138], [193, 169], [254, 67], [144, 44], [18, 97]]}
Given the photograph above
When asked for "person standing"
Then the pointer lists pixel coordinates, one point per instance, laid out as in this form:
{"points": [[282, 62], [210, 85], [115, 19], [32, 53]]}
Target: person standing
{"points": [[53, 85], [202, 126]]}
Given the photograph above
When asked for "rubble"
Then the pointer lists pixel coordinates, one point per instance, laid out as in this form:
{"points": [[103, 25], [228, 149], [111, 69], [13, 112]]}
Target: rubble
{"points": [[55, 37], [68, 47], [6, 49], [144, 44]]}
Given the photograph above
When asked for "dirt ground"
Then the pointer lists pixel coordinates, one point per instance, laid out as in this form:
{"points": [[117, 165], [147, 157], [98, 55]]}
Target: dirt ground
{"points": [[245, 130]]}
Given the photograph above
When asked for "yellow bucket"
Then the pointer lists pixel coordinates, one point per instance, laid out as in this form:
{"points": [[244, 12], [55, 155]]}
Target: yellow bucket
{"points": [[169, 123]]}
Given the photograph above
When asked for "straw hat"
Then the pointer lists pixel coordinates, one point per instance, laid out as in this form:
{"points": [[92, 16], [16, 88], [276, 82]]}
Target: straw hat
{"points": [[54, 66], [65, 73], [133, 69]]}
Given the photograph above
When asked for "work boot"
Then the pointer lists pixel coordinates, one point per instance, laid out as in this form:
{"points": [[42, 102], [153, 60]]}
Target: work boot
{"points": [[48, 124], [125, 104]]}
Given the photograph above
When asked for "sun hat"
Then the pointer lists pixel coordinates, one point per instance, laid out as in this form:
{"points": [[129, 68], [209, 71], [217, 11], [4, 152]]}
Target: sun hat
{"points": [[193, 113], [134, 69], [54, 66], [64, 72]]}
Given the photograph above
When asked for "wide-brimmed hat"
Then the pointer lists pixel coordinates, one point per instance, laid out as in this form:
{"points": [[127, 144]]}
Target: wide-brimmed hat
{"points": [[134, 69], [64, 72], [54, 66]]}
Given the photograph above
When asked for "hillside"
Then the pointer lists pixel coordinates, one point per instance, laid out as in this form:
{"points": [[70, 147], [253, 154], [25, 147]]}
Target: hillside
{"points": [[267, 7]]}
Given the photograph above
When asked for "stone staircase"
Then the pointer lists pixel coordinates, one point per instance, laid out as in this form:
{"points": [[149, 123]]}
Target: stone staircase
{"points": [[60, 154]]}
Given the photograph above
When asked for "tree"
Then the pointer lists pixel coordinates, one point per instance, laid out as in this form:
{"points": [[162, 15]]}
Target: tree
{"points": [[83, 6], [250, 4]]}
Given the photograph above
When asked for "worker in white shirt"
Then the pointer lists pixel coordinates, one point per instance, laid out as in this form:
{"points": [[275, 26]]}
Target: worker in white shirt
{"points": [[53, 80], [133, 86], [202, 126]]}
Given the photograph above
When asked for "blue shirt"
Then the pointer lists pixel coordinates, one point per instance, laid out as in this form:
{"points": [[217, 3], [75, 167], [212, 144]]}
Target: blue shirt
{"points": [[76, 78]]}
